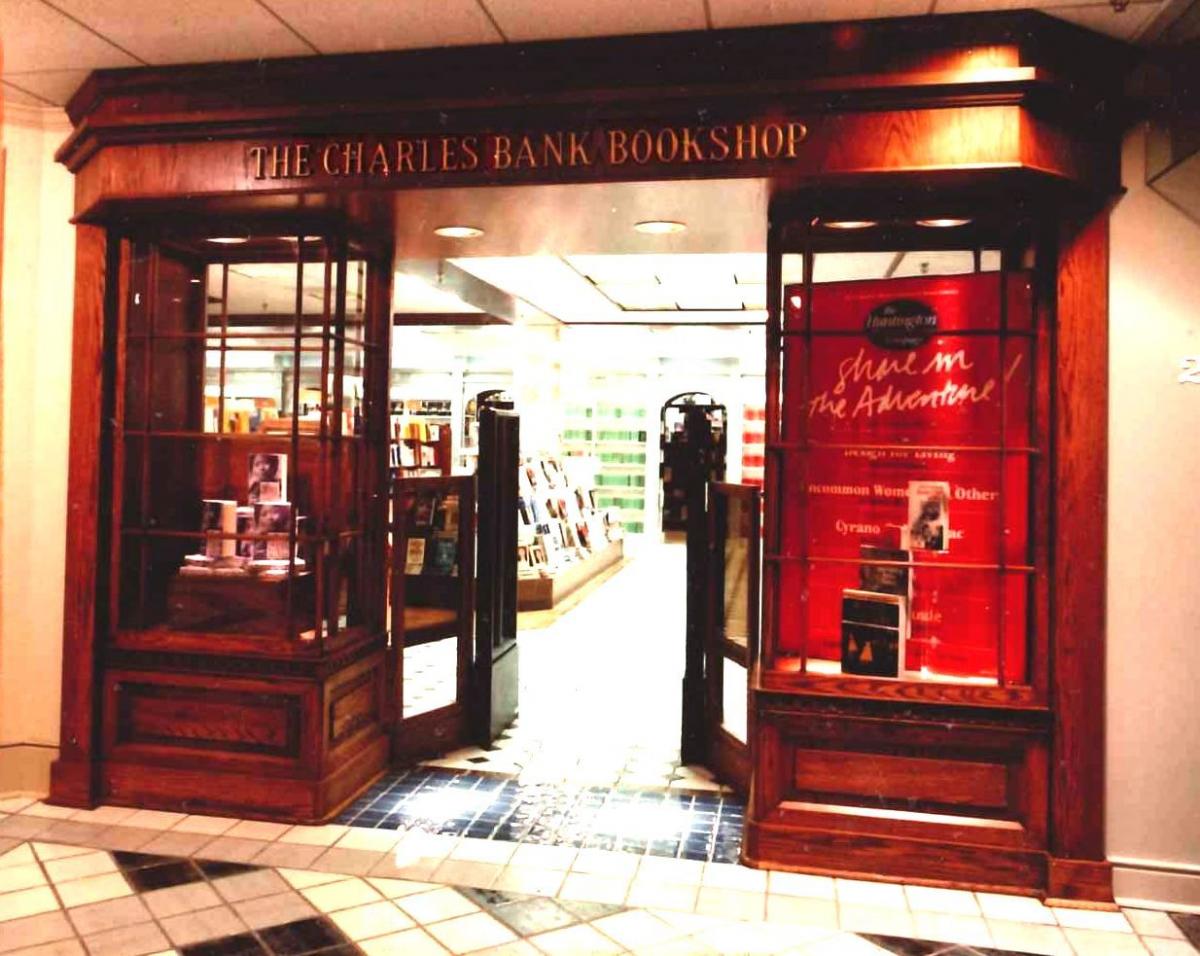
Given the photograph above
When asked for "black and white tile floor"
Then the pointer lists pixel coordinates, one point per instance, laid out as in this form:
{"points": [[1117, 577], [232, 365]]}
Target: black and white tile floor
{"points": [[121, 882]]}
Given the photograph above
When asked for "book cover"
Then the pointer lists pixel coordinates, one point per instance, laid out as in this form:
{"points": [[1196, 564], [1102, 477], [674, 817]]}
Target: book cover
{"points": [[423, 510], [267, 477], [245, 525], [446, 518], [414, 556], [929, 516], [885, 578], [443, 555], [218, 516], [873, 633], [272, 519]]}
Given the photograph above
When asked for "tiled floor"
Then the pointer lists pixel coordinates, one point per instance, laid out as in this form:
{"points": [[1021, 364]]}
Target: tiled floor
{"points": [[122, 882], [614, 722], [687, 825]]}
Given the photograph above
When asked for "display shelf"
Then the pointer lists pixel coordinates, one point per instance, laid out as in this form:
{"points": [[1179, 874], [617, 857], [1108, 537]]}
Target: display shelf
{"points": [[615, 435], [565, 531]]}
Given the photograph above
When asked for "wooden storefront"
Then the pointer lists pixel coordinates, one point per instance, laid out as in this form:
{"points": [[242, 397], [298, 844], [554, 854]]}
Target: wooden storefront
{"points": [[1006, 120]]}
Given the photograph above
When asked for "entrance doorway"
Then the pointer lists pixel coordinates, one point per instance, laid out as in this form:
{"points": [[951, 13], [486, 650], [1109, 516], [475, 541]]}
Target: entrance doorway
{"points": [[589, 345]]}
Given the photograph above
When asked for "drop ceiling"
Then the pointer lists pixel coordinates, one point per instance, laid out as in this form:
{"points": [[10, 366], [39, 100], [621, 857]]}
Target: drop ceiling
{"points": [[50, 46]]}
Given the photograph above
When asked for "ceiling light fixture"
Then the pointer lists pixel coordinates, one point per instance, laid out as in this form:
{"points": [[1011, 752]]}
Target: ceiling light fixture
{"points": [[942, 223], [849, 223], [458, 232], [229, 240], [659, 227]]}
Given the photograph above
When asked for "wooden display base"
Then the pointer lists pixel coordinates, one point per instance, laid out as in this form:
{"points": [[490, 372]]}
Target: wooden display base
{"points": [[541, 594], [286, 741]]}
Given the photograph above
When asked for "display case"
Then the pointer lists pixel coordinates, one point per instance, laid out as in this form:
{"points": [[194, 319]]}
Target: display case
{"points": [[904, 690], [245, 626]]}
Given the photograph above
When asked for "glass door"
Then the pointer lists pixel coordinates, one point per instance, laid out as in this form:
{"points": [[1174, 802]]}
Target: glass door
{"points": [[731, 632], [432, 612]]}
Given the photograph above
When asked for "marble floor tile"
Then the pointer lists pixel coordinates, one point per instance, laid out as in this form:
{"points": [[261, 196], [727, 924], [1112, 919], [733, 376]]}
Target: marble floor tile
{"points": [[341, 895], [464, 934], [274, 910], [381, 918]]}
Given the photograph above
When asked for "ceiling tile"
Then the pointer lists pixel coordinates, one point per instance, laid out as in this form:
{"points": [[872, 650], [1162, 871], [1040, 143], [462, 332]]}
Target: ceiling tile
{"points": [[538, 20], [13, 94], [1127, 25], [751, 13], [1097, 16], [37, 37], [207, 31], [54, 86], [352, 26]]}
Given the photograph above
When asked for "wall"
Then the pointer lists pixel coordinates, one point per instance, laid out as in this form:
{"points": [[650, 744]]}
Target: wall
{"points": [[1153, 809], [35, 317]]}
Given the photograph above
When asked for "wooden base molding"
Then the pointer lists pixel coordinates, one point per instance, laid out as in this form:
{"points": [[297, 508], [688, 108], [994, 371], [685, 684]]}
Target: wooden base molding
{"points": [[861, 856], [1080, 882]]}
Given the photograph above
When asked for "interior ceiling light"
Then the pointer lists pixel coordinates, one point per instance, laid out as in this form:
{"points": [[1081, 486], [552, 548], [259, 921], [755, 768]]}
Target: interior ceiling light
{"points": [[659, 227], [458, 232], [229, 240], [942, 223], [849, 223]]}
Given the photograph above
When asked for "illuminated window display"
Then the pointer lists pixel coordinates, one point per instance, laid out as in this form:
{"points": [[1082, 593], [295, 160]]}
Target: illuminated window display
{"points": [[907, 406]]}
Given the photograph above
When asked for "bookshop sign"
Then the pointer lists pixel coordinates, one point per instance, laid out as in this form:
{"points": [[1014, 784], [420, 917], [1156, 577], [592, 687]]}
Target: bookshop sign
{"points": [[577, 152]]}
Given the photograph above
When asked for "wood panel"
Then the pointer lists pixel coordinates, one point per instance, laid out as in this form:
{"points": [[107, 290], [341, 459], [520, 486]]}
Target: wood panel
{"points": [[353, 708], [1080, 480], [73, 780], [207, 720], [888, 778]]}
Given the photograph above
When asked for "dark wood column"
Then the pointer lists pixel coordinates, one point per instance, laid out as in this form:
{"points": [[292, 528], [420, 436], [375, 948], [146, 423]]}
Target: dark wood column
{"points": [[1077, 864], [73, 780]]}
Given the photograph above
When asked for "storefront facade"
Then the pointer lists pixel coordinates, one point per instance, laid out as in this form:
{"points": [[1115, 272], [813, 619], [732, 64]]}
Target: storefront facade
{"points": [[996, 781]]}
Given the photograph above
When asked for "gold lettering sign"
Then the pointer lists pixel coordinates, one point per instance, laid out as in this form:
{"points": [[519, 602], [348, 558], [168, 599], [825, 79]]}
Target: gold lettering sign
{"points": [[619, 148]]}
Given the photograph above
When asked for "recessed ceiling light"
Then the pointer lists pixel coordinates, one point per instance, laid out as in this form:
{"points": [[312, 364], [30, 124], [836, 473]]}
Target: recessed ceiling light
{"points": [[659, 227], [458, 232], [849, 223], [229, 240], [942, 223]]}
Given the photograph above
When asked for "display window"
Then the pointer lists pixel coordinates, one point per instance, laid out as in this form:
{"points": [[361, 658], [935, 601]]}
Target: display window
{"points": [[907, 426], [242, 456]]}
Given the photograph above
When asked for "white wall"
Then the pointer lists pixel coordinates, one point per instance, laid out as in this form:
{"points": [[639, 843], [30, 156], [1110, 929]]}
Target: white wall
{"points": [[35, 311], [1153, 808]]}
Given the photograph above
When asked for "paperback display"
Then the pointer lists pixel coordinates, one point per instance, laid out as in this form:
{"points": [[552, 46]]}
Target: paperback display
{"points": [[557, 519], [250, 540]]}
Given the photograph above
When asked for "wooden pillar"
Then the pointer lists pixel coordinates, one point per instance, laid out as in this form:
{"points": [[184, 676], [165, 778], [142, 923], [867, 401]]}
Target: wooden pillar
{"points": [[1077, 865], [73, 777]]}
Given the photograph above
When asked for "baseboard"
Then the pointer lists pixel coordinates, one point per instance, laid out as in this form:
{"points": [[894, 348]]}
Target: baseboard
{"points": [[25, 768], [1152, 885]]}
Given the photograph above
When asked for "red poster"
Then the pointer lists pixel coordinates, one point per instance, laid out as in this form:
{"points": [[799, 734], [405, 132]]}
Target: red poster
{"points": [[911, 402]]}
